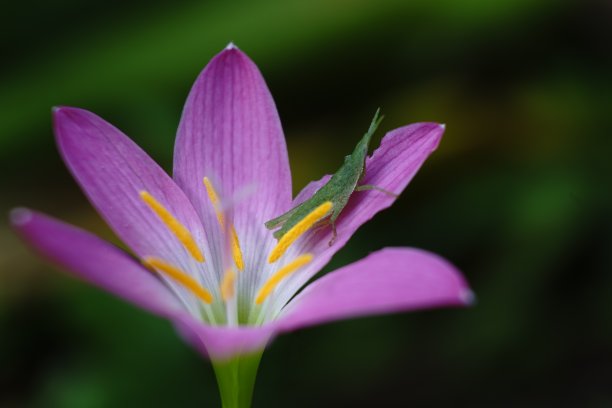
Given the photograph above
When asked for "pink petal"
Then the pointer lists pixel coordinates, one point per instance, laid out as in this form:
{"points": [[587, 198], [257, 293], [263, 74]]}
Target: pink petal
{"points": [[387, 281], [391, 167], [94, 260], [230, 132], [112, 171]]}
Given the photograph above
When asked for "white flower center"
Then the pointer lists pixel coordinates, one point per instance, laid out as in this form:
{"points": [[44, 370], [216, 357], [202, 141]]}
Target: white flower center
{"points": [[218, 305]]}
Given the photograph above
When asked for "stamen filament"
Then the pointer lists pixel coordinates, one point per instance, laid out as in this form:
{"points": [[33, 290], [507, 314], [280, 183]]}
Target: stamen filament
{"points": [[179, 276], [281, 274], [214, 199], [227, 285], [174, 225], [298, 229]]}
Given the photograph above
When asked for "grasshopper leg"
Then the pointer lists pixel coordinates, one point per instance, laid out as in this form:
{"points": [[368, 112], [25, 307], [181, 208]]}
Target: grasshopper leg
{"points": [[320, 224], [332, 224], [334, 234]]}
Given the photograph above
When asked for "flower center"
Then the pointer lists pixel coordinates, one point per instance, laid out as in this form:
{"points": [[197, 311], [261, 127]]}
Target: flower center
{"points": [[255, 296]]}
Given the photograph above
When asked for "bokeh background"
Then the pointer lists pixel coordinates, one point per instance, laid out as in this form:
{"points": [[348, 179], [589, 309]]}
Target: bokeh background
{"points": [[518, 194]]}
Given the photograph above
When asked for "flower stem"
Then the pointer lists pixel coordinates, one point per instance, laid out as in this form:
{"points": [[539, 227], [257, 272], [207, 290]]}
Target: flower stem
{"points": [[236, 379]]}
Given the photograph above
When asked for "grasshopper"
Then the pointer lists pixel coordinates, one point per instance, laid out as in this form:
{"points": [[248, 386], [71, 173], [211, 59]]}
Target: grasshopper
{"points": [[338, 189]]}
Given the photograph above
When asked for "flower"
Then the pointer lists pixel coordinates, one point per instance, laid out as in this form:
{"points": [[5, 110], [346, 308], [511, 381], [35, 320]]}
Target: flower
{"points": [[199, 236]]}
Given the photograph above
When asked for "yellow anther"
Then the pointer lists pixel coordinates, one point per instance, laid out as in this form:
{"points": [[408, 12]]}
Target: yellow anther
{"points": [[228, 285], [214, 199], [298, 229], [178, 229], [236, 252], [285, 271], [179, 276]]}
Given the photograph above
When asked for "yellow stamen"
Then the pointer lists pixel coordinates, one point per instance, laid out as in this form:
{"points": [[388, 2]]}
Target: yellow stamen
{"points": [[227, 285], [298, 229], [178, 229], [236, 251], [275, 279], [179, 276], [214, 199]]}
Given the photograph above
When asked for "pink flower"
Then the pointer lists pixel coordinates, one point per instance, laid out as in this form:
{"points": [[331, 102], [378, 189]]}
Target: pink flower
{"points": [[199, 239]]}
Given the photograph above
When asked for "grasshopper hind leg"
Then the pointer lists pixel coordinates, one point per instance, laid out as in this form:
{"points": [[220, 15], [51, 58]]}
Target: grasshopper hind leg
{"points": [[334, 233], [324, 223]]}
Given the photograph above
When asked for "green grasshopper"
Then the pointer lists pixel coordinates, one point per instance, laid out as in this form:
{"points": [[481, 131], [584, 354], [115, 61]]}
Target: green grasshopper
{"points": [[338, 189]]}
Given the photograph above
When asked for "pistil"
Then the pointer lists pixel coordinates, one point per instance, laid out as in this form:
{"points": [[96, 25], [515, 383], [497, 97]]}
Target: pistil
{"points": [[228, 285]]}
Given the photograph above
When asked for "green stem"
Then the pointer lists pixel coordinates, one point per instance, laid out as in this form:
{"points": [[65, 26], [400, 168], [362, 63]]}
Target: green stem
{"points": [[236, 379]]}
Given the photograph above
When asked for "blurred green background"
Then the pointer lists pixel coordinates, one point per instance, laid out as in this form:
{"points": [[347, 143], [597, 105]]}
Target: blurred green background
{"points": [[518, 194]]}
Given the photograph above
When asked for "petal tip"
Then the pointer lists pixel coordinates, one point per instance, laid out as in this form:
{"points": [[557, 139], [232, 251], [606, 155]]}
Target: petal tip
{"points": [[20, 216], [56, 111], [467, 297], [64, 111], [231, 54], [442, 126]]}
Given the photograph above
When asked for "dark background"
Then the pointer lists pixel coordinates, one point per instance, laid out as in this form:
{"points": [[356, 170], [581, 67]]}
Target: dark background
{"points": [[518, 194]]}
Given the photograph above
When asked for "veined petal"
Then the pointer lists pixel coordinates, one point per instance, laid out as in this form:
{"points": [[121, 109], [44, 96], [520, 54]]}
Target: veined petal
{"points": [[387, 281], [391, 167], [230, 131], [92, 259], [95, 261], [129, 189]]}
